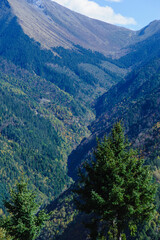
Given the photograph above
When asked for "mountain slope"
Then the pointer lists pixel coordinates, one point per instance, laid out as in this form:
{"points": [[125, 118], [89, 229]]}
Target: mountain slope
{"points": [[39, 126], [51, 88], [145, 48], [55, 25], [52, 25], [70, 70], [138, 104], [45, 105], [135, 100]]}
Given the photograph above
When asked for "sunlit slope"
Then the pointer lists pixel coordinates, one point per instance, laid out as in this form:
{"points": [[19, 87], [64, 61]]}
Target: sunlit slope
{"points": [[53, 25]]}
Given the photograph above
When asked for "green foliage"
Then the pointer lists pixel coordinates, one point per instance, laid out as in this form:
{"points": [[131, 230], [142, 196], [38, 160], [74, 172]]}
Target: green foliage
{"points": [[4, 235], [142, 52], [28, 54], [39, 125], [116, 189], [39, 122], [62, 214], [29, 141], [24, 221]]}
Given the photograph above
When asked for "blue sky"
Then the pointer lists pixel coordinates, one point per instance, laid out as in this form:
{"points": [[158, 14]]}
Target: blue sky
{"points": [[143, 11], [133, 14]]}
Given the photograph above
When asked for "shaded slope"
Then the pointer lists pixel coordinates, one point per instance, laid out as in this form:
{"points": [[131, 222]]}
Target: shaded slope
{"points": [[136, 101]]}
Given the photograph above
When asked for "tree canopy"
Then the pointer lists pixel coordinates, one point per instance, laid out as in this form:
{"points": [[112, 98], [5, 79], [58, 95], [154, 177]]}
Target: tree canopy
{"points": [[24, 221], [116, 189]]}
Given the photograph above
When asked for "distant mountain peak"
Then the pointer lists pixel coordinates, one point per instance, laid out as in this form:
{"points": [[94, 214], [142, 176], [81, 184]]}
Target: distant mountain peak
{"points": [[151, 29]]}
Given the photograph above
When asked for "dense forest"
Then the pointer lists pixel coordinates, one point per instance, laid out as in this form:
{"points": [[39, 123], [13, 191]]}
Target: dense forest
{"points": [[55, 102], [45, 106]]}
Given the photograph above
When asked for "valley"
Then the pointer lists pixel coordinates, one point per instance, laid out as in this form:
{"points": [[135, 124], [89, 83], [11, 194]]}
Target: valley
{"points": [[65, 79]]}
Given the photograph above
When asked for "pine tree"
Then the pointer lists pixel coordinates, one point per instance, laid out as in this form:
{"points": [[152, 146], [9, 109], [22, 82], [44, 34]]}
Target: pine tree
{"points": [[116, 189], [23, 221]]}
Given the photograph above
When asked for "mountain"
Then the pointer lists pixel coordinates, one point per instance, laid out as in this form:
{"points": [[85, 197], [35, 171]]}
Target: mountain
{"points": [[135, 100], [36, 125], [85, 79], [55, 26], [60, 88], [150, 30], [145, 46], [128, 96], [46, 102]]}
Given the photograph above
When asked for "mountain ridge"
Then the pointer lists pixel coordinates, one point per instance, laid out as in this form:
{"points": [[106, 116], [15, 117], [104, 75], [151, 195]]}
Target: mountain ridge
{"points": [[52, 93], [49, 95], [67, 28], [56, 26]]}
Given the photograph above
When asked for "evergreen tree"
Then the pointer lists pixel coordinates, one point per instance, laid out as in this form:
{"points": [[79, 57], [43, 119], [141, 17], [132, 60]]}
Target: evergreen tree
{"points": [[23, 221], [116, 189]]}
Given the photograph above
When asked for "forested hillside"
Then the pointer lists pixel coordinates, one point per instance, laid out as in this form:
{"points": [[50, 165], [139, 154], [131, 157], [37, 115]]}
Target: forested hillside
{"points": [[56, 98], [46, 104], [135, 100], [38, 130]]}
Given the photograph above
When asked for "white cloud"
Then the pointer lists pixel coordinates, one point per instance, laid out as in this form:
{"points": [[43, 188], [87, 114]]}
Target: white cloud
{"points": [[93, 10], [113, 0]]}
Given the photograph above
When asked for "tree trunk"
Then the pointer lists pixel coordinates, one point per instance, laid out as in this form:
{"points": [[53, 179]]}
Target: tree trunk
{"points": [[119, 234]]}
